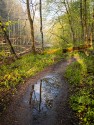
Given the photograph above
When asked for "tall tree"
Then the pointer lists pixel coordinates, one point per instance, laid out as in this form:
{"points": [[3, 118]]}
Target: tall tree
{"points": [[93, 23], [85, 22], [81, 18], [67, 7], [31, 26], [41, 24]]}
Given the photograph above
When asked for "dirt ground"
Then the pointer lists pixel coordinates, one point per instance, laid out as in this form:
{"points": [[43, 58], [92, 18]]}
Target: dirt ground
{"points": [[20, 112]]}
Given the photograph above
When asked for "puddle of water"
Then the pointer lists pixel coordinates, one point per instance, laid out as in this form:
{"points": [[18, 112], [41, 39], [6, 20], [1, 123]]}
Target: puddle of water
{"points": [[43, 94]]}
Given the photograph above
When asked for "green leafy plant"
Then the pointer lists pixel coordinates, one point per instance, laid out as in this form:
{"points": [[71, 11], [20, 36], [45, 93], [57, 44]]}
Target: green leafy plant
{"points": [[81, 75]]}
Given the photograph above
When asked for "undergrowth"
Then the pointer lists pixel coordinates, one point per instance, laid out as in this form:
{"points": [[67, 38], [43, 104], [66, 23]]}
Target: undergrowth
{"points": [[14, 74], [80, 75]]}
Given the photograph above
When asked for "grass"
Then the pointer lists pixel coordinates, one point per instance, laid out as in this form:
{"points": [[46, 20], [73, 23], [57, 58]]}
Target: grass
{"points": [[17, 72], [80, 75]]}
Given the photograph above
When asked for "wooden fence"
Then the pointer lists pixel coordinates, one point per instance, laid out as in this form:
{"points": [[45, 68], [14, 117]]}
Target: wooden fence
{"points": [[20, 44]]}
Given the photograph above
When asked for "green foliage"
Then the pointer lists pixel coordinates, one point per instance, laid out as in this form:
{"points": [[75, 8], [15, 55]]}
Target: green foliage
{"points": [[6, 24], [75, 72], [14, 74], [83, 102], [82, 78], [28, 66], [3, 55]]}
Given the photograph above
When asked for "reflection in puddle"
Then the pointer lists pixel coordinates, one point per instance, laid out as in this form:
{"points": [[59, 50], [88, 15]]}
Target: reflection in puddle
{"points": [[43, 94]]}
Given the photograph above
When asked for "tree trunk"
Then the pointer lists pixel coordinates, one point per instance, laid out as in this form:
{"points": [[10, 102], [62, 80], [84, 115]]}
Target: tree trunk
{"points": [[6, 37], [81, 19], [41, 25], [31, 26], [85, 22], [92, 28], [70, 19]]}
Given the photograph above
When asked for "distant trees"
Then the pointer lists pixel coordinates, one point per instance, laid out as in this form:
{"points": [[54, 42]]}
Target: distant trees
{"points": [[71, 22], [76, 22], [16, 20], [12, 14], [86, 17]]}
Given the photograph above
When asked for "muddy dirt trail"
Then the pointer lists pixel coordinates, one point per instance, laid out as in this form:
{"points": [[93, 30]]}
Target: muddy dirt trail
{"points": [[43, 100]]}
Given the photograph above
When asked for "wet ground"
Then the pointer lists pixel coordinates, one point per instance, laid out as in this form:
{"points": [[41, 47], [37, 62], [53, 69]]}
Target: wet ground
{"points": [[43, 101]]}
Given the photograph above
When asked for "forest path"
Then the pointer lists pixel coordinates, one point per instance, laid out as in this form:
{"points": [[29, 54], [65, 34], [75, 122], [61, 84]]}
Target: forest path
{"points": [[43, 100]]}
